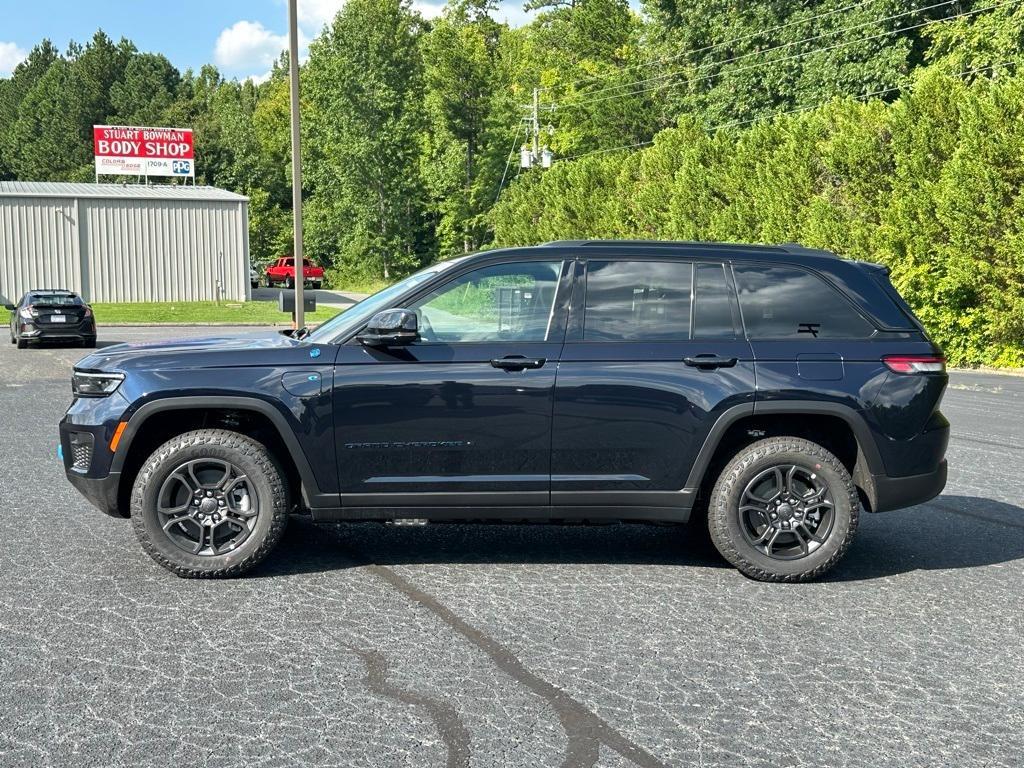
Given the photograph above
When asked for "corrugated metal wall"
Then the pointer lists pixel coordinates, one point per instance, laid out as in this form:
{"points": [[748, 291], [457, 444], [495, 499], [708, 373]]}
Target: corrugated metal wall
{"points": [[169, 251], [38, 245], [125, 250]]}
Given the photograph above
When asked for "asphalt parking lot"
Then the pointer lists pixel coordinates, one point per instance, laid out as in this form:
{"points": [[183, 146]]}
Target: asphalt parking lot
{"points": [[366, 645]]}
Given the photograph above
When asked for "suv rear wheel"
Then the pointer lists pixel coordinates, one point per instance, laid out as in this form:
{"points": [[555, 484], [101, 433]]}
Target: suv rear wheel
{"points": [[784, 509], [209, 503]]}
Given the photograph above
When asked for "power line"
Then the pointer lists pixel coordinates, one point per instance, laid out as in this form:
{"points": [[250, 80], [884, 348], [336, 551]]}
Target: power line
{"points": [[880, 92], [741, 38], [601, 151], [515, 140], [708, 65], [800, 55], [780, 113]]}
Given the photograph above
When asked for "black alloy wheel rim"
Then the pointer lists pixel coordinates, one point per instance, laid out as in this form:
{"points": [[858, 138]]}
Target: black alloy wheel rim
{"points": [[786, 512], [207, 507]]}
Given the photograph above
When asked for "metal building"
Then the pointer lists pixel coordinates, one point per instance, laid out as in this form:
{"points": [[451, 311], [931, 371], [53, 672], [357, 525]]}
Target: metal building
{"points": [[124, 242]]}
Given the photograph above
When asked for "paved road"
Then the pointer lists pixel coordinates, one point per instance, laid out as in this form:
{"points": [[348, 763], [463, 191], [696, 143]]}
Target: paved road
{"points": [[365, 645], [323, 297]]}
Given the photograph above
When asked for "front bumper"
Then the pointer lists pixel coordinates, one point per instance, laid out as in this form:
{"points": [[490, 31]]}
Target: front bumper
{"points": [[898, 492], [85, 434], [100, 491]]}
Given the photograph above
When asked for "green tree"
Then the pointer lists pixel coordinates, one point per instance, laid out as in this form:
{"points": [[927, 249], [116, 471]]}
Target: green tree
{"points": [[145, 91], [52, 136], [13, 91], [460, 77], [364, 85]]}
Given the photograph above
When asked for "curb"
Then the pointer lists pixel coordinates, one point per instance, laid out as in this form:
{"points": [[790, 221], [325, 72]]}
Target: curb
{"points": [[201, 325], [1018, 372]]}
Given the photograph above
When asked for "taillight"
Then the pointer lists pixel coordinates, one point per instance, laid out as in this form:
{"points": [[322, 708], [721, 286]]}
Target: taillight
{"points": [[915, 363], [87, 312]]}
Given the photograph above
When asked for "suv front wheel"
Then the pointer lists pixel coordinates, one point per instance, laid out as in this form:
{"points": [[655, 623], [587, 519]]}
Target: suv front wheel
{"points": [[209, 503], [784, 509]]}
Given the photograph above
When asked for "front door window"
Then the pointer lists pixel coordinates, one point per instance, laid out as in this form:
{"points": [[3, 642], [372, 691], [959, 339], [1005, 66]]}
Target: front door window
{"points": [[504, 302]]}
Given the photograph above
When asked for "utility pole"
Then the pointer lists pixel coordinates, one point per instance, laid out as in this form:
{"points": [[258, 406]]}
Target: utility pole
{"points": [[293, 71], [536, 122], [533, 153]]}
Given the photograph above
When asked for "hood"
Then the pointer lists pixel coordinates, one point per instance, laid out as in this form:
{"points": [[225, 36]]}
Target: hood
{"points": [[206, 352]]}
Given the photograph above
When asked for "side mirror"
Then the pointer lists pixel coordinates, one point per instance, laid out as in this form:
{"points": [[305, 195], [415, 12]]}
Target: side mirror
{"points": [[10, 307], [390, 328], [287, 331]]}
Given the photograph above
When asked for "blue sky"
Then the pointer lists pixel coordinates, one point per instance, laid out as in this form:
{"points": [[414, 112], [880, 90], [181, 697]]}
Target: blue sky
{"points": [[242, 37]]}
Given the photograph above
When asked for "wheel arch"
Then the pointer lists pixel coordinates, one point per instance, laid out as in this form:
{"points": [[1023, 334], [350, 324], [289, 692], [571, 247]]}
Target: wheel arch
{"points": [[835, 426], [160, 420]]}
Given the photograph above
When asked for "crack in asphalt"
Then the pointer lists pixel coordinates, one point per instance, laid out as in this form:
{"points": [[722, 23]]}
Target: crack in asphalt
{"points": [[449, 725], [585, 731]]}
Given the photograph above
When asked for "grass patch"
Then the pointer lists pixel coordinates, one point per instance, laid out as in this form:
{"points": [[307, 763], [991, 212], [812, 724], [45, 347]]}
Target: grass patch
{"points": [[182, 312], [367, 286]]}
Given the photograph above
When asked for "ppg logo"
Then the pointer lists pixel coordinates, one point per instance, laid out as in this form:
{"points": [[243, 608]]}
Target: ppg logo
{"points": [[181, 166]]}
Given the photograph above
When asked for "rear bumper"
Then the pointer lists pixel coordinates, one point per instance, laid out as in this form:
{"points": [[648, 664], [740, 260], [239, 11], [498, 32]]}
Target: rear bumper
{"points": [[85, 330], [899, 492]]}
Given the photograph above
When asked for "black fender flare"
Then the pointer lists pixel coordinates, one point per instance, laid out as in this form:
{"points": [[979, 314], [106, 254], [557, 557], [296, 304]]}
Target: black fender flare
{"points": [[869, 460], [311, 489]]}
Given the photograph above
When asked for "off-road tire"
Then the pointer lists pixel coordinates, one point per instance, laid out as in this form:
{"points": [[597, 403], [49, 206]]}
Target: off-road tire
{"points": [[724, 517], [257, 463]]}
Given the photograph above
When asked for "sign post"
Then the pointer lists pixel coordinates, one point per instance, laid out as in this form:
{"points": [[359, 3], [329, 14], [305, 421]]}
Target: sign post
{"points": [[122, 150]]}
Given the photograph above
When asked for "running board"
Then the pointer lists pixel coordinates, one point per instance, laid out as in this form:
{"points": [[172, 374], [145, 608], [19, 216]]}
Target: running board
{"points": [[407, 521]]}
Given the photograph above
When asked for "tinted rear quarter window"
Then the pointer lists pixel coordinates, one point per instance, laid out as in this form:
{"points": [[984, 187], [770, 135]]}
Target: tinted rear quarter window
{"points": [[714, 310], [790, 303]]}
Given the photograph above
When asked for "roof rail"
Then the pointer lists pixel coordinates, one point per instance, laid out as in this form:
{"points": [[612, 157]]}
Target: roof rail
{"points": [[658, 244], [778, 248]]}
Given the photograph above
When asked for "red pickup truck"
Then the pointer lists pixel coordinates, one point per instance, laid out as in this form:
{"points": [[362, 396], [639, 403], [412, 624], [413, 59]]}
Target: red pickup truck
{"points": [[283, 271]]}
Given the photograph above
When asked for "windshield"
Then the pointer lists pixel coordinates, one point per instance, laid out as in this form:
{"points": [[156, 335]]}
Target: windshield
{"points": [[356, 316]]}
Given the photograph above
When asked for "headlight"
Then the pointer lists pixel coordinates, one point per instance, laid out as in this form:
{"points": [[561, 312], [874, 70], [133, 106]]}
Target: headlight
{"points": [[95, 384], [27, 312]]}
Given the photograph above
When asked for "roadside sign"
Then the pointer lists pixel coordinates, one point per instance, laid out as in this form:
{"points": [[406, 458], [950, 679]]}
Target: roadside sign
{"points": [[122, 150]]}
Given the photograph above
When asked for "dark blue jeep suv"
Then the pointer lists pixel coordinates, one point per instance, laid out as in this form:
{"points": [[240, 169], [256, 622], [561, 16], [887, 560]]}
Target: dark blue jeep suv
{"points": [[768, 393]]}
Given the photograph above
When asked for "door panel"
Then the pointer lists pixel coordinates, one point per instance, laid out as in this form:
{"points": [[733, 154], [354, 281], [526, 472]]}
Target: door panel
{"points": [[631, 415], [463, 417], [440, 419], [634, 417]]}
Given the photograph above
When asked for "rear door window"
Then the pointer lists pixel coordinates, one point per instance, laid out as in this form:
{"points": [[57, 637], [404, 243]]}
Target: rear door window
{"points": [[638, 300], [790, 303]]}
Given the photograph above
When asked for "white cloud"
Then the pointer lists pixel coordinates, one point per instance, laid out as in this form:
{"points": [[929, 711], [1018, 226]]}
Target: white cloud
{"points": [[248, 45], [313, 14], [10, 56], [259, 79], [428, 10]]}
